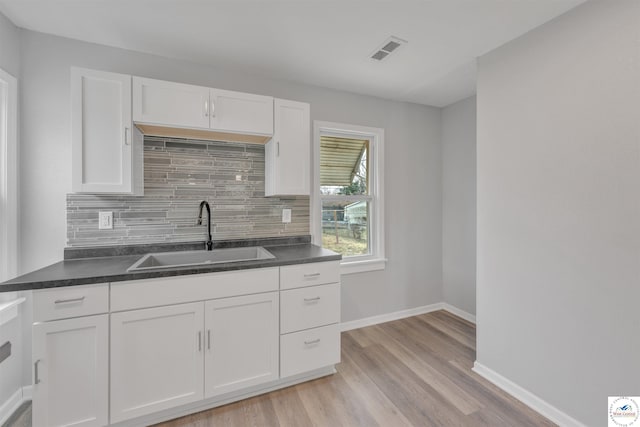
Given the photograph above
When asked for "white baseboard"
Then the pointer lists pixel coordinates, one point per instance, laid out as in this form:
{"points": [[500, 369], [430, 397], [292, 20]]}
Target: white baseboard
{"points": [[10, 406], [27, 393], [526, 397], [460, 313], [388, 317], [402, 314]]}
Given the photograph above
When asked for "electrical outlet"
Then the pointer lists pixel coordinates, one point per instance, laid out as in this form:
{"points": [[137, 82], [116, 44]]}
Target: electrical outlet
{"points": [[105, 220], [286, 216]]}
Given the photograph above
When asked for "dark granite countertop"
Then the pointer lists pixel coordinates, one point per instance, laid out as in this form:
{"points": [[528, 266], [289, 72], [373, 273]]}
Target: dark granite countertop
{"points": [[102, 269]]}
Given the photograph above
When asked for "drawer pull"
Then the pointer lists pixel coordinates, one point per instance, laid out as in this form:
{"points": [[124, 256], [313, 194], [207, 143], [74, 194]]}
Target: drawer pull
{"points": [[312, 299], [36, 377], [311, 275], [68, 301], [312, 342]]}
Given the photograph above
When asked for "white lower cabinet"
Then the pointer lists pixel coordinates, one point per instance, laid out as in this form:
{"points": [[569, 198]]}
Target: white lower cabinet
{"points": [[132, 349], [310, 349], [242, 342], [156, 359], [309, 317], [168, 356], [71, 368]]}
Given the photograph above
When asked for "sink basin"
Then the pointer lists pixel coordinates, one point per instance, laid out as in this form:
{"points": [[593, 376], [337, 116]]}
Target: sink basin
{"points": [[195, 258]]}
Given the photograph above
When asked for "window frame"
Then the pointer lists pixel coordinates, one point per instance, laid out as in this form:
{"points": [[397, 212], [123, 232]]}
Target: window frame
{"points": [[376, 259], [8, 176]]}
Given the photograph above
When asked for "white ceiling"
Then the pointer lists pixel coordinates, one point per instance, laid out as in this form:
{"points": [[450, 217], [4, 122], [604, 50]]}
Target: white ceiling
{"points": [[320, 42]]}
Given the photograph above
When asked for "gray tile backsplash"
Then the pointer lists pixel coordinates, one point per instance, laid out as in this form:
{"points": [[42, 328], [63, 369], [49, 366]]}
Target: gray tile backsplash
{"points": [[178, 174]]}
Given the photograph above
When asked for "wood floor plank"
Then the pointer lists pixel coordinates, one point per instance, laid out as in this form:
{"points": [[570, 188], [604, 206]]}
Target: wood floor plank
{"points": [[331, 402], [426, 344], [259, 412], [360, 337], [418, 401], [409, 372], [372, 398], [496, 398], [463, 401], [289, 408], [457, 331]]}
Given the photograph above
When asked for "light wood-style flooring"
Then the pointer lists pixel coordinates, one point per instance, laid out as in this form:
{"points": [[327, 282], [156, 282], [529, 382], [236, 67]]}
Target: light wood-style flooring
{"points": [[409, 372]]}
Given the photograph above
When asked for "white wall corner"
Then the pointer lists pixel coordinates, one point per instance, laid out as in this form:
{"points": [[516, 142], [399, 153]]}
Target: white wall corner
{"points": [[459, 312], [531, 400]]}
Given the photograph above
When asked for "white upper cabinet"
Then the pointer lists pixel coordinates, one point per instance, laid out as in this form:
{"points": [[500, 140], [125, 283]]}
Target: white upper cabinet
{"points": [[288, 154], [239, 112], [106, 152], [170, 104], [177, 105]]}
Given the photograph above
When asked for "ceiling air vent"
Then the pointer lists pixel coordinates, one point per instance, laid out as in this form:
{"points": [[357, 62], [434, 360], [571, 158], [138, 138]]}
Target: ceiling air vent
{"points": [[389, 45]]}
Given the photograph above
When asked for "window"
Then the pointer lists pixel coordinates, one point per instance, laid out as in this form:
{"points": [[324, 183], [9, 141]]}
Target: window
{"points": [[8, 177], [347, 204]]}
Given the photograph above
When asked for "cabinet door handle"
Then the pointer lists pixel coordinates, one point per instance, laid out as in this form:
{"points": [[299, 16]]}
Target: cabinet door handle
{"points": [[199, 340], [316, 341], [312, 299], [209, 339], [206, 108], [213, 109], [278, 148], [67, 301], [35, 374], [310, 275], [127, 136]]}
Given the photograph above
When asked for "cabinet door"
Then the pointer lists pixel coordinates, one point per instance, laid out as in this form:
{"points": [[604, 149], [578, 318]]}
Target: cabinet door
{"points": [[239, 112], [71, 372], [101, 134], [170, 104], [288, 159], [242, 342], [156, 359]]}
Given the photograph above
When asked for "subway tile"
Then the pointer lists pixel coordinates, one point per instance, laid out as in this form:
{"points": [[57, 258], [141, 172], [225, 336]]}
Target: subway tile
{"points": [[178, 146], [178, 175]]}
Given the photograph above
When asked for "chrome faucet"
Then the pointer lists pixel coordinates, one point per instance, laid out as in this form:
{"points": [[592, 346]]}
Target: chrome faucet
{"points": [[209, 242]]}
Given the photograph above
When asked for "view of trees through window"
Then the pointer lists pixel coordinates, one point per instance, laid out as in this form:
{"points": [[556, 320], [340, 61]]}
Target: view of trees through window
{"points": [[344, 178]]}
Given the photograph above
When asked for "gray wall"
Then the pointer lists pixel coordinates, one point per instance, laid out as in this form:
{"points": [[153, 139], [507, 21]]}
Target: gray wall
{"points": [[9, 47], [412, 163], [559, 209], [10, 369], [459, 204]]}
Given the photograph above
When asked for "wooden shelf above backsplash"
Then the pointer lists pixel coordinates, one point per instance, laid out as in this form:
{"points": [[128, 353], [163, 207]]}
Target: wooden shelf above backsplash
{"points": [[202, 134]]}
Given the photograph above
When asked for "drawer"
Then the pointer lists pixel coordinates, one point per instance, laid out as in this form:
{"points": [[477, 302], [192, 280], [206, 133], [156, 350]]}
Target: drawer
{"points": [[317, 273], [70, 301], [308, 350], [146, 293], [309, 307]]}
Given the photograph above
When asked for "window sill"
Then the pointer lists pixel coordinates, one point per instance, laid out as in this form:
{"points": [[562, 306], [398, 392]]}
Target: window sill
{"points": [[352, 267]]}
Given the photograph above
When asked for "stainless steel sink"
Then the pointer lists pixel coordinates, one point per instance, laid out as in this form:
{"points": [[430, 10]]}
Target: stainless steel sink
{"points": [[195, 258]]}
